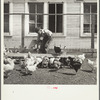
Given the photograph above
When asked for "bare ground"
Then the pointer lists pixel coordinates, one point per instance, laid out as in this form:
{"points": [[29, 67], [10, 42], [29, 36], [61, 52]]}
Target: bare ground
{"points": [[64, 76]]}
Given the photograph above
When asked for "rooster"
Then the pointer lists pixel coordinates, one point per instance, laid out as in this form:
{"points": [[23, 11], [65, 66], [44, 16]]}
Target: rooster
{"points": [[75, 63], [92, 64]]}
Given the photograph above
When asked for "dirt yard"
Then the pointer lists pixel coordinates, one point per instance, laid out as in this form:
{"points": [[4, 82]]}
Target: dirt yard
{"points": [[64, 76]]}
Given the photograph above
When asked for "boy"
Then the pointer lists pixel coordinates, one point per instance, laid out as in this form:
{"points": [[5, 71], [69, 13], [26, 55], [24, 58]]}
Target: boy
{"points": [[44, 38]]}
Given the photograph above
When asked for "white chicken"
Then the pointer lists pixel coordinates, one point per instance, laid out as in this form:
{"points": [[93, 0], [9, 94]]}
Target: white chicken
{"points": [[30, 63], [92, 64], [8, 67], [31, 68], [29, 59], [51, 60], [39, 59], [82, 57]]}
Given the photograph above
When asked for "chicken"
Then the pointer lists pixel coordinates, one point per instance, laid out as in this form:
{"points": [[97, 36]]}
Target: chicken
{"points": [[8, 66], [31, 68], [75, 63], [45, 62], [65, 61], [29, 64], [29, 59], [82, 57], [92, 64], [58, 49], [56, 63], [51, 60], [39, 60], [29, 55]]}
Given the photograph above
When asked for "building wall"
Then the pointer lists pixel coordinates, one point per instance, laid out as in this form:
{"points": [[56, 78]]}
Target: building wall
{"points": [[71, 39]]}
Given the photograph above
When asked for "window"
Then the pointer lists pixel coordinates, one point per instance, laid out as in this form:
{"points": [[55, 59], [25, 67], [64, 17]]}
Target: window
{"points": [[6, 17], [35, 17], [55, 17], [89, 8], [45, 15]]}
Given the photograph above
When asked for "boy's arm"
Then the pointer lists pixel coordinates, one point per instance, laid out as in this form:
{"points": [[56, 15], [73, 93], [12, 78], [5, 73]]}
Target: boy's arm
{"points": [[38, 40], [49, 40]]}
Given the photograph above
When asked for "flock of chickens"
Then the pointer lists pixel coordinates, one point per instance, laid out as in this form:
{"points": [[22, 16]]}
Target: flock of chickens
{"points": [[31, 63]]}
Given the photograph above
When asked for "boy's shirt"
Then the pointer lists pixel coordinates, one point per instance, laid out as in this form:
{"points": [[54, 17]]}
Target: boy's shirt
{"points": [[44, 32]]}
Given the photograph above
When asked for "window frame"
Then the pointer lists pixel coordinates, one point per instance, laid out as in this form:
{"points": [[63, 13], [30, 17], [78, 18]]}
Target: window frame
{"points": [[36, 16], [82, 22], [10, 20], [56, 16], [45, 19], [27, 32]]}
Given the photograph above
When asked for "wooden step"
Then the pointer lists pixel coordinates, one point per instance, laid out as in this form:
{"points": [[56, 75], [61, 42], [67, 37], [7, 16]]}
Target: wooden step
{"points": [[21, 55]]}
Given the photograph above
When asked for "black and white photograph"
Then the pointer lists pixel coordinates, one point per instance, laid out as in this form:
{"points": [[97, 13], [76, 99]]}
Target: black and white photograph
{"points": [[50, 43]]}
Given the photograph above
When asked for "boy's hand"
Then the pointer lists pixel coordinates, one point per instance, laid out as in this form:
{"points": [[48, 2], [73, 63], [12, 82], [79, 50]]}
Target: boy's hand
{"points": [[41, 38]]}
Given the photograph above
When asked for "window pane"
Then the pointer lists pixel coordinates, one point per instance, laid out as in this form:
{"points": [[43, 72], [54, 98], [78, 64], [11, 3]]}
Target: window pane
{"points": [[86, 19], [6, 18], [6, 8], [86, 28], [59, 8], [39, 19], [52, 23], [95, 19], [94, 8], [52, 8], [40, 25], [39, 8], [86, 8], [35, 20], [95, 29], [31, 8], [59, 23], [32, 27], [6, 27], [90, 8], [32, 17]]}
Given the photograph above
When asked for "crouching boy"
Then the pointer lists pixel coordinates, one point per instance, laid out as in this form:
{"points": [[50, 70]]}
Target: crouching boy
{"points": [[44, 38]]}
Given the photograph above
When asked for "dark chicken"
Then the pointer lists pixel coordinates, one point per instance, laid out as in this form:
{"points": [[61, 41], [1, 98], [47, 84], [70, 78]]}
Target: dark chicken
{"points": [[65, 61], [75, 63], [58, 49], [56, 63]]}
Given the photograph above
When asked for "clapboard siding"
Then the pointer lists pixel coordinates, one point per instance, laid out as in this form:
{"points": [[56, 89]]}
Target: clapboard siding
{"points": [[72, 43], [18, 8], [12, 42], [73, 32], [73, 21], [73, 7], [72, 37]]}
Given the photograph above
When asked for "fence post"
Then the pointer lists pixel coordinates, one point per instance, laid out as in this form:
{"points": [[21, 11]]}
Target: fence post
{"points": [[23, 30], [92, 33]]}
